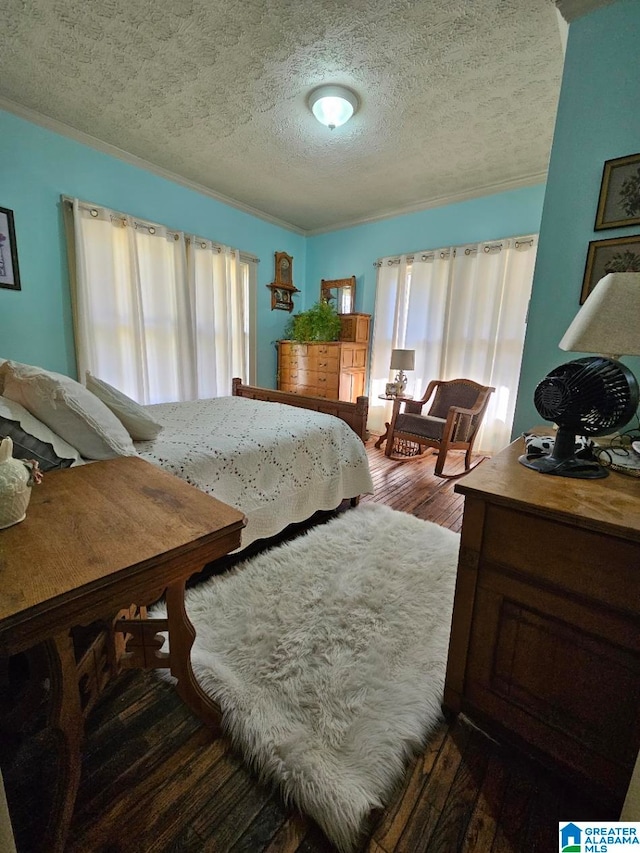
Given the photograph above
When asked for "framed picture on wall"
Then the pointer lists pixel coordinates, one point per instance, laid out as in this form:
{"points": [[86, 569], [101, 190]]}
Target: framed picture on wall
{"points": [[9, 273], [619, 202], [620, 254]]}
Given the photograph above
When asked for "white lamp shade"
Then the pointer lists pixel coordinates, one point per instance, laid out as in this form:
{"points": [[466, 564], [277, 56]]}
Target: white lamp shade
{"points": [[609, 321], [333, 105], [402, 359]]}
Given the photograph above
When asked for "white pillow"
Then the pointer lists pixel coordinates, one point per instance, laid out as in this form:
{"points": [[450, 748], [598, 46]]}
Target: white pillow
{"points": [[12, 411], [139, 425], [67, 408]]}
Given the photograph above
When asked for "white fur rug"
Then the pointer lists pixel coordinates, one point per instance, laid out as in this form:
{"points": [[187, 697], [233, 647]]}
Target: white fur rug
{"points": [[327, 655]]}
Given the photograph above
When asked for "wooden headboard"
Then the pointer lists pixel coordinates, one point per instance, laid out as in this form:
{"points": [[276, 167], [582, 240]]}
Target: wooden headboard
{"points": [[355, 414]]}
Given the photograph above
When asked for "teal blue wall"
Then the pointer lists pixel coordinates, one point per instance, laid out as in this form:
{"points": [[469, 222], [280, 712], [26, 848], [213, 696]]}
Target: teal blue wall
{"points": [[352, 251], [37, 167], [598, 119]]}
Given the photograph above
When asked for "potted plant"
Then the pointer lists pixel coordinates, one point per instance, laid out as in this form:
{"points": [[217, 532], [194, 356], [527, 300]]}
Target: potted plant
{"points": [[321, 322]]}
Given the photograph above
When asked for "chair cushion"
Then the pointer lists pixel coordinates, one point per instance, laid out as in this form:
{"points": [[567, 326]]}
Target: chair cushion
{"points": [[453, 394], [425, 426]]}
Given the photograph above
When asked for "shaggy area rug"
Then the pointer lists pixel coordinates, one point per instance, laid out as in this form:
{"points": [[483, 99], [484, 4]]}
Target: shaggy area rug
{"points": [[327, 656]]}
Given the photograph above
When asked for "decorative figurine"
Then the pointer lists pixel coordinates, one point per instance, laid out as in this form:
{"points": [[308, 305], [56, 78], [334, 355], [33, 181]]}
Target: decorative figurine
{"points": [[16, 478]]}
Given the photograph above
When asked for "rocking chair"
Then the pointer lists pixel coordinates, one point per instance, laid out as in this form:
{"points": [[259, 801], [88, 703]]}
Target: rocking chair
{"points": [[452, 422]]}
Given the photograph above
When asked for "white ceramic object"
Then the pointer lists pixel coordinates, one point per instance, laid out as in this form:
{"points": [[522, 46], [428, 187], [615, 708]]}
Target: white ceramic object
{"points": [[15, 491]]}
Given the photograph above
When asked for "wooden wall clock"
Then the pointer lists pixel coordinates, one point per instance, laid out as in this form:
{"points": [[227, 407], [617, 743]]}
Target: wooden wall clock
{"points": [[282, 287]]}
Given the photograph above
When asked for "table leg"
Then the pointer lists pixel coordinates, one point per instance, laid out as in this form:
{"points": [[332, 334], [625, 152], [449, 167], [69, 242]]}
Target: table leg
{"points": [[383, 437], [66, 724], [181, 637]]}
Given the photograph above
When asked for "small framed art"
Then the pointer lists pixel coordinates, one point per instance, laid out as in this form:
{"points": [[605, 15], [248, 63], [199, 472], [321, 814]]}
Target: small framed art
{"points": [[9, 272], [620, 254], [619, 202]]}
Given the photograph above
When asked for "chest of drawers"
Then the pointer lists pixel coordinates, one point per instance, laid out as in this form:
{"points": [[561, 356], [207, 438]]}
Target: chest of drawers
{"points": [[545, 638], [335, 370]]}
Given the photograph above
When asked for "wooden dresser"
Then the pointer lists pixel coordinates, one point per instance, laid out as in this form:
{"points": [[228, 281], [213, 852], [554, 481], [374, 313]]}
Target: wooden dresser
{"points": [[545, 638], [335, 370]]}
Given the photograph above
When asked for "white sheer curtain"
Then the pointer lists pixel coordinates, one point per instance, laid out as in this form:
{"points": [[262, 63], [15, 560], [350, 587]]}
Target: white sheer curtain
{"points": [[463, 311], [390, 276], [410, 312], [221, 316], [159, 316]]}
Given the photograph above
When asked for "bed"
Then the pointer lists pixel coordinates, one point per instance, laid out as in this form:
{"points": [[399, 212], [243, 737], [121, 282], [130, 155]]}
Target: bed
{"points": [[277, 457], [276, 462]]}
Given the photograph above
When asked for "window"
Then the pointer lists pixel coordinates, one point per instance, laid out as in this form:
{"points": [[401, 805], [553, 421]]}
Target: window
{"points": [[160, 315]]}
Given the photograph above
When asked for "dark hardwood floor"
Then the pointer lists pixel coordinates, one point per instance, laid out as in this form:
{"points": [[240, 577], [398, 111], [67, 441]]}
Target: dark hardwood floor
{"points": [[154, 779]]}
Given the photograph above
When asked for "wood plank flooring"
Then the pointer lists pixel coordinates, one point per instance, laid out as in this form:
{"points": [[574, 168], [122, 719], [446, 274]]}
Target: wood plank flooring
{"points": [[154, 780]]}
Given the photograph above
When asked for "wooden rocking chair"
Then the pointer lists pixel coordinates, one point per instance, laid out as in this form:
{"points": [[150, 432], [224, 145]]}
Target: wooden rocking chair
{"points": [[451, 423]]}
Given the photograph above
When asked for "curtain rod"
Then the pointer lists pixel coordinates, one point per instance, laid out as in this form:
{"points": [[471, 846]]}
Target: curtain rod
{"points": [[488, 246], [151, 226]]}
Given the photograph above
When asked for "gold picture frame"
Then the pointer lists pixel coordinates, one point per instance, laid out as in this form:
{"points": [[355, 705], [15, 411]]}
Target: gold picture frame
{"points": [[619, 254], [619, 201]]}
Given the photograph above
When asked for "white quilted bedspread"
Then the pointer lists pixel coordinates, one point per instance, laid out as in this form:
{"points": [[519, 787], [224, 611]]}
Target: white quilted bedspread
{"points": [[277, 464]]}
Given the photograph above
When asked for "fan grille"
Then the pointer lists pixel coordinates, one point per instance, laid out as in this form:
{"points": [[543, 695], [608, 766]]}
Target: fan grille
{"points": [[589, 395]]}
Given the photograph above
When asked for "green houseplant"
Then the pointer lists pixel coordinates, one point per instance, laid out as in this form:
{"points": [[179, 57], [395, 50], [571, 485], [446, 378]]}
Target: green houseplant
{"points": [[321, 322]]}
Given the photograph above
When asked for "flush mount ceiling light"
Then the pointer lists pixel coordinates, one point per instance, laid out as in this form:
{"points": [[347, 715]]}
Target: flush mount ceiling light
{"points": [[333, 105]]}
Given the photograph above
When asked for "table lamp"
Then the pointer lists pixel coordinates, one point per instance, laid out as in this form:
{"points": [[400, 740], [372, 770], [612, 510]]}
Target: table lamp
{"points": [[401, 360], [609, 321]]}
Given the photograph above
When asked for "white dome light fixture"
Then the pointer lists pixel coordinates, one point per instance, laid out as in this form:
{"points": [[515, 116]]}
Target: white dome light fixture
{"points": [[333, 105]]}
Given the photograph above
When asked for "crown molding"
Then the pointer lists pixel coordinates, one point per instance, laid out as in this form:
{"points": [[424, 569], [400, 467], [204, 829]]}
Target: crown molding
{"points": [[63, 129], [86, 139], [467, 195]]}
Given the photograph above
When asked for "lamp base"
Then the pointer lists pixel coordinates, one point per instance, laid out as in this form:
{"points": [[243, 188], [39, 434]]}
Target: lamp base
{"points": [[401, 383]]}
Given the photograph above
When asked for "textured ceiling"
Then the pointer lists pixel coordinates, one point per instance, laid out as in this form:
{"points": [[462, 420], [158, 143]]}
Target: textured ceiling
{"points": [[457, 96]]}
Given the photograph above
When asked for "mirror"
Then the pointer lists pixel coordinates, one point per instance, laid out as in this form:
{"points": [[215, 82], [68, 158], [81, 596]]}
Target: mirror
{"points": [[339, 292]]}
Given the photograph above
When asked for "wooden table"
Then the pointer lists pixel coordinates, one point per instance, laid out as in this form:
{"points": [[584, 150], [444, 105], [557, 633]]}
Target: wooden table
{"points": [[545, 638], [97, 539], [396, 400]]}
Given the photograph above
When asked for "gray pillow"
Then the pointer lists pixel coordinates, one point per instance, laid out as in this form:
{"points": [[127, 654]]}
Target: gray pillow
{"points": [[27, 446], [13, 413]]}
